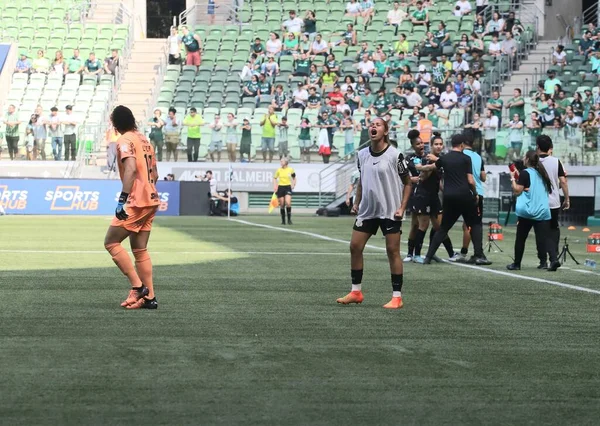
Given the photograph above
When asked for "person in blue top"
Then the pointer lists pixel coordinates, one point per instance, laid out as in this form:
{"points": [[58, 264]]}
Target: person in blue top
{"points": [[480, 177], [532, 189]]}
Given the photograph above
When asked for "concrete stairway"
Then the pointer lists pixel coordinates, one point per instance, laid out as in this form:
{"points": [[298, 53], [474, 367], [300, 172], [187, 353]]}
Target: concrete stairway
{"points": [[139, 78], [106, 12]]}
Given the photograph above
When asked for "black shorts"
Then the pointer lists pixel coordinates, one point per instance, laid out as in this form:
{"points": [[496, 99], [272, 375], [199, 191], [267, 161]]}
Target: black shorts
{"points": [[370, 226], [425, 204], [283, 190], [554, 218]]}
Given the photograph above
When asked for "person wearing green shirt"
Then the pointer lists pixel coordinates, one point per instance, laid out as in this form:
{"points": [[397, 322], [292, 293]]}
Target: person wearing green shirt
{"points": [[398, 65], [382, 66], [420, 16], [364, 125], [495, 105], [433, 116], [367, 100], [193, 122], [516, 105], [551, 82], [439, 74], [269, 124], [381, 104], [561, 103], [258, 48], [12, 131], [302, 66]]}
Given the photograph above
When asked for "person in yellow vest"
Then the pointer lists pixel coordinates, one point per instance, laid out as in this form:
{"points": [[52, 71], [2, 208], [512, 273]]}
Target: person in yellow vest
{"points": [[284, 183], [268, 123]]}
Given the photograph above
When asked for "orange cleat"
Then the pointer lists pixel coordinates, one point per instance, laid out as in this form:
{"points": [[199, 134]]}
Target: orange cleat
{"points": [[395, 303], [352, 297], [135, 294]]}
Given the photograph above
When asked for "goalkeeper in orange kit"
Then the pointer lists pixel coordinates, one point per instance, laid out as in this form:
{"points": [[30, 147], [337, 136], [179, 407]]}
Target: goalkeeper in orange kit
{"points": [[135, 210]]}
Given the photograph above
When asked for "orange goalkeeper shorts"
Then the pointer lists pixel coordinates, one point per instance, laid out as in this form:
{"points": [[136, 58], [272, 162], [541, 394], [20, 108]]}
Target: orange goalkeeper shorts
{"points": [[140, 219]]}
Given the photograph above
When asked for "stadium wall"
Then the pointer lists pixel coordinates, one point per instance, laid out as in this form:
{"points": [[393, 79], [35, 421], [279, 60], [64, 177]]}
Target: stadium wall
{"points": [[553, 27], [8, 61]]}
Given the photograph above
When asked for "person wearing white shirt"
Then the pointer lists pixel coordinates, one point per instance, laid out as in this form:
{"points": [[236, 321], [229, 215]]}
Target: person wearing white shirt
{"points": [[319, 46], [299, 97], [448, 99], [353, 8], [423, 77], [490, 130], [396, 15], [465, 7], [174, 47], [366, 66], [274, 45], [293, 25], [559, 57], [494, 49], [413, 99], [460, 65]]}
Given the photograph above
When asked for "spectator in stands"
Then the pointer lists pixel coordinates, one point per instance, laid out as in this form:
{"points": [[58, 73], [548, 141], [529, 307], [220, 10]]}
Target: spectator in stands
{"points": [[382, 105], [216, 138], [269, 69], [55, 133], [258, 48], [290, 45], [465, 103], [293, 24], [58, 65], [172, 133], [429, 45], [420, 16], [442, 36], [406, 77], [353, 9], [440, 74], [29, 137], [382, 66], [319, 47], [586, 44], [174, 42], [509, 45], [69, 122], [333, 65], [156, 136], [23, 64], [314, 99], [367, 99], [41, 64], [110, 137], [252, 67], [352, 99], [299, 97], [398, 98], [265, 89], [513, 25], [413, 119], [479, 26], [494, 25], [577, 104], [251, 88], [366, 67], [361, 84], [550, 113], [401, 46], [413, 99], [231, 139], [280, 100], [515, 137], [516, 105], [534, 128], [367, 11], [210, 11], [313, 77], [12, 122], [310, 24], [93, 66], [274, 45], [303, 46], [363, 127], [349, 37], [551, 82], [336, 97], [459, 84], [396, 15], [494, 48], [328, 79], [348, 82], [448, 99], [39, 134], [303, 66], [474, 128], [590, 132], [282, 143], [193, 47], [423, 78], [269, 124], [446, 62], [477, 64], [75, 64], [495, 104], [193, 121], [490, 130], [464, 7], [460, 65], [433, 96], [246, 142], [327, 126], [571, 123], [111, 63], [463, 46], [476, 45], [561, 101]]}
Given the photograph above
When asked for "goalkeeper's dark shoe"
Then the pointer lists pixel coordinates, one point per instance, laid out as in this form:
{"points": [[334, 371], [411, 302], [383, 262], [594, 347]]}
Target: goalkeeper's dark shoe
{"points": [[554, 266], [513, 267], [289, 221], [144, 303], [135, 294]]}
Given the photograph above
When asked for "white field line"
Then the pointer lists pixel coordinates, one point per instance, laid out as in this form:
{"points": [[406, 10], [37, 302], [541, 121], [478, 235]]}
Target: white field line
{"points": [[461, 265], [273, 253]]}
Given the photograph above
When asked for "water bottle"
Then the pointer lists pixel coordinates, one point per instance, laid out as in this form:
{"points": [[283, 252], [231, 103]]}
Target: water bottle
{"points": [[590, 263]]}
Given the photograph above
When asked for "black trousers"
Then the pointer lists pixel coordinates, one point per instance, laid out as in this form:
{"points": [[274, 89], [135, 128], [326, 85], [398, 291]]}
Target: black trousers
{"points": [[455, 207], [70, 142], [193, 147], [13, 146], [543, 238], [542, 250]]}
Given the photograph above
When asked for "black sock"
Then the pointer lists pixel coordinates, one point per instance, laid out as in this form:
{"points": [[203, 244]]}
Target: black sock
{"points": [[282, 213], [396, 282], [464, 250], [356, 275], [289, 212], [420, 236], [411, 247], [431, 235], [448, 245]]}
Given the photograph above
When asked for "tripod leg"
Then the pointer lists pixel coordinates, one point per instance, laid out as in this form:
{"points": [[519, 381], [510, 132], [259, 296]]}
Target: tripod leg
{"points": [[571, 256]]}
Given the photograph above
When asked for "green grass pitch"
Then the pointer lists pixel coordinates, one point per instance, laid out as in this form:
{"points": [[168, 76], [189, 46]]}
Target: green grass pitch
{"points": [[248, 331]]}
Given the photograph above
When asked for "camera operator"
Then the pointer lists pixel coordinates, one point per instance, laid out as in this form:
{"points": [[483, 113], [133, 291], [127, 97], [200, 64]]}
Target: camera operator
{"points": [[170, 177], [460, 199], [558, 178], [208, 177], [227, 201], [532, 189]]}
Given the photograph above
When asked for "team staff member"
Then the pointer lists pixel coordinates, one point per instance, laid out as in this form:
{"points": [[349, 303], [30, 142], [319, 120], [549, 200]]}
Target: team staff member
{"points": [[480, 176], [381, 198], [558, 178], [533, 210], [136, 209], [285, 181], [460, 199]]}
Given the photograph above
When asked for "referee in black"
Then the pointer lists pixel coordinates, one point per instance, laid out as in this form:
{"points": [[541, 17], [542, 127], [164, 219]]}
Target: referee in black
{"points": [[460, 199]]}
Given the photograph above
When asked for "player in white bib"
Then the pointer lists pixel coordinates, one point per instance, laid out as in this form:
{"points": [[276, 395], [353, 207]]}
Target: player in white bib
{"points": [[381, 199]]}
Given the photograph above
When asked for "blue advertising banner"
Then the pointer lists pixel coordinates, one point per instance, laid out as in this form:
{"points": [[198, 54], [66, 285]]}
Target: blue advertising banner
{"points": [[75, 196]]}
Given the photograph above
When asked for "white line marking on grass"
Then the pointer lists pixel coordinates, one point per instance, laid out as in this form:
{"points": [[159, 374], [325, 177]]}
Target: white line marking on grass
{"points": [[478, 268], [271, 253]]}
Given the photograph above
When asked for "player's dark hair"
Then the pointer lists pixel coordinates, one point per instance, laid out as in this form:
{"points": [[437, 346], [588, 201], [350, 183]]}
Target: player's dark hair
{"points": [[544, 143], [533, 160], [468, 140], [413, 135], [122, 119], [457, 140], [436, 135]]}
